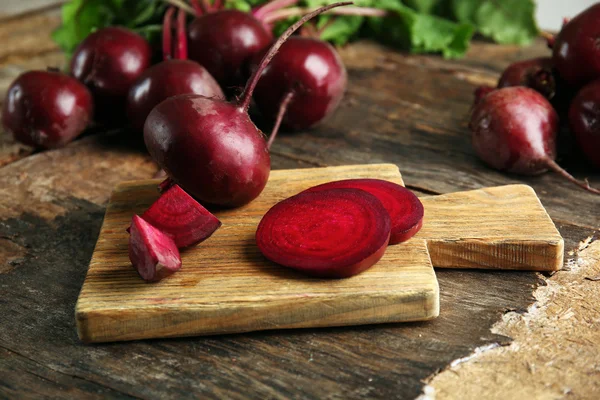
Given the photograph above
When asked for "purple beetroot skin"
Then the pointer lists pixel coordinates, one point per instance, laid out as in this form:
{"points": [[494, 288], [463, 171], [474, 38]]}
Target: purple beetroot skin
{"points": [[584, 118], [536, 74], [312, 71], [46, 109], [224, 41], [152, 253], [109, 61]]}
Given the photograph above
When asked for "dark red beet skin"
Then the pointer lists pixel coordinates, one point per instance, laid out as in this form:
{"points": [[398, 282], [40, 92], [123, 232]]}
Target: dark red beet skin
{"points": [[178, 215], [536, 74], [584, 119], [309, 68], [109, 61], [224, 41], [46, 109], [229, 169], [152, 253], [576, 51], [333, 233], [166, 79], [514, 129], [405, 209]]}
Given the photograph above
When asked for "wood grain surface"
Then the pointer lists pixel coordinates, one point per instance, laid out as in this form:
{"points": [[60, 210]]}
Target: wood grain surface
{"points": [[227, 286], [410, 110]]}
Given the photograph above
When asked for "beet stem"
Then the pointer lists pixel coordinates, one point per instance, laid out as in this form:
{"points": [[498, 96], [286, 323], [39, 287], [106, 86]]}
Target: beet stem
{"points": [[217, 5], [167, 38], [181, 50], [183, 5], [558, 169], [200, 7], [261, 11], [246, 96], [282, 110], [286, 13]]}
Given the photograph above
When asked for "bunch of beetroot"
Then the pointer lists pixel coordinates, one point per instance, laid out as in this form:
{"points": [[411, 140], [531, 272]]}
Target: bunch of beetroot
{"points": [[515, 126]]}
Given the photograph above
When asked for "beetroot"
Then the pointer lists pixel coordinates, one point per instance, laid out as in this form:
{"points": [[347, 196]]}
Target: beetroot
{"points": [[46, 109], [169, 78], [334, 233], [211, 147], [584, 118], [405, 209], [152, 253], [514, 129], [308, 70], [108, 61], [576, 50], [224, 41], [536, 74], [178, 215]]}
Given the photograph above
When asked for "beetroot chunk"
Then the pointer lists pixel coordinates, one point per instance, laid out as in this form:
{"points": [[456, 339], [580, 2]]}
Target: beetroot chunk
{"points": [[181, 217], [405, 209], [333, 233], [152, 253]]}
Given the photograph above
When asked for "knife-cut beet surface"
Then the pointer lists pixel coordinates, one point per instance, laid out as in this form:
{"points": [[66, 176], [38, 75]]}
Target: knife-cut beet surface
{"points": [[405, 209], [333, 233], [181, 217], [153, 254]]}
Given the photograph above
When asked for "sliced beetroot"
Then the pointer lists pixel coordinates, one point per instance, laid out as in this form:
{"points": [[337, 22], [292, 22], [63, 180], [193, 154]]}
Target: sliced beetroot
{"points": [[333, 233], [153, 254], [405, 209], [181, 217]]}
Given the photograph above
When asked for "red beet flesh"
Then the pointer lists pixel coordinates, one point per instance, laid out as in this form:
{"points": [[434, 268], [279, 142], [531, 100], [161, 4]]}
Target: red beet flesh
{"points": [[46, 109], [109, 61], [584, 118], [333, 233], [576, 51], [166, 79], [312, 71], [211, 147], [536, 74], [152, 253], [178, 215], [405, 209], [514, 129], [224, 41]]}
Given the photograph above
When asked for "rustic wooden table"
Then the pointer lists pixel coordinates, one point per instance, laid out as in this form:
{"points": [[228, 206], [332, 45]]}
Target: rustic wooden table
{"points": [[407, 110]]}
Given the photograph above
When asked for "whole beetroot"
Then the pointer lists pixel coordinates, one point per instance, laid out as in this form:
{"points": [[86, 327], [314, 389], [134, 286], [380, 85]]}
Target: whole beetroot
{"points": [[584, 119], [514, 129]]}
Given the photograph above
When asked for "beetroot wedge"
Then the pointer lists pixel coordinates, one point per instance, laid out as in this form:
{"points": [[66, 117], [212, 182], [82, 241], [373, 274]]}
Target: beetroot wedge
{"points": [[406, 210], [177, 214], [332, 233], [153, 254]]}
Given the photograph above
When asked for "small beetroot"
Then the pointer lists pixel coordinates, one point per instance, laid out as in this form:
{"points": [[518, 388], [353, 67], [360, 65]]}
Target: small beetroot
{"points": [[536, 74], [405, 209], [334, 233], [514, 129], [178, 215], [584, 118], [153, 254]]}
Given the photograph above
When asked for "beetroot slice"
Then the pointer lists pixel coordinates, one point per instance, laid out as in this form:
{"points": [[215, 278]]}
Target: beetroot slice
{"points": [[153, 254], [405, 209], [177, 214], [332, 233]]}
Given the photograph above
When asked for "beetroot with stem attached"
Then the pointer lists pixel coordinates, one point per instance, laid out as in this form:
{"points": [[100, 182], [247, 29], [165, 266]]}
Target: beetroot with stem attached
{"points": [[153, 254], [309, 72], [514, 129], [334, 233], [576, 50], [536, 73], [175, 75], [405, 209], [178, 215], [211, 147], [46, 109], [108, 61], [584, 119]]}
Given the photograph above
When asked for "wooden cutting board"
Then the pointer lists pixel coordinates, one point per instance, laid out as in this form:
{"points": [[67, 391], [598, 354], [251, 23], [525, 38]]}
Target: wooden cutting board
{"points": [[227, 286]]}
